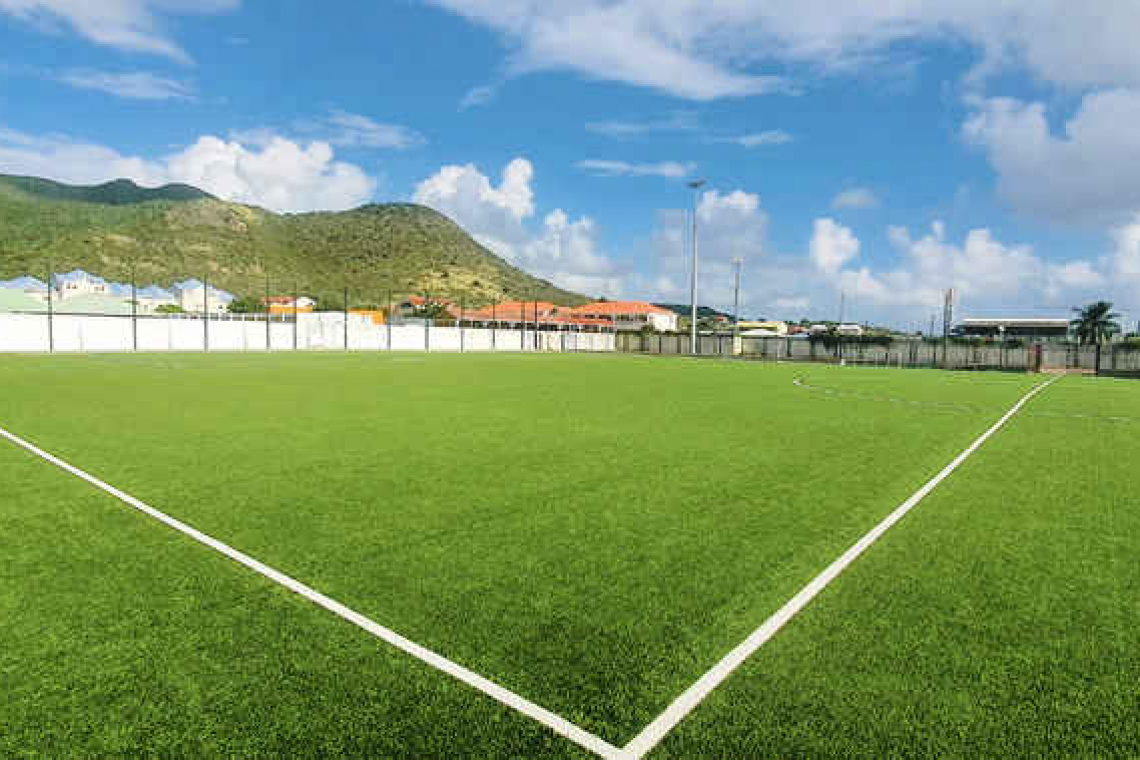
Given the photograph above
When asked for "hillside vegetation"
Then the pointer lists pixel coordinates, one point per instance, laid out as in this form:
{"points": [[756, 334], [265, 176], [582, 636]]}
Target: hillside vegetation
{"points": [[178, 232]]}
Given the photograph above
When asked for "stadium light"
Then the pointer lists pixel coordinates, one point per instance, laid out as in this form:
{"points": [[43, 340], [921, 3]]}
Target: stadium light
{"points": [[696, 186], [738, 263]]}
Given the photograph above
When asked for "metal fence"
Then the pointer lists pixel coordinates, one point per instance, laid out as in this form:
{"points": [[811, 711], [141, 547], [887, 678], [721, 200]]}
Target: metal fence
{"points": [[1115, 359]]}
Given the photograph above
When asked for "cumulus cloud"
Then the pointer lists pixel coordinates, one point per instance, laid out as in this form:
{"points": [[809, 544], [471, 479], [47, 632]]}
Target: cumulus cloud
{"points": [[856, 198], [986, 273], [280, 174], [1085, 173], [731, 225], [832, 245], [564, 251], [702, 49], [139, 85], [131, 25], [670, 169]]}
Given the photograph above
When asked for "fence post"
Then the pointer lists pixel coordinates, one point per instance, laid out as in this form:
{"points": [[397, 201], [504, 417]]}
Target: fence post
{"points": [[51, 311], [205, 314]]}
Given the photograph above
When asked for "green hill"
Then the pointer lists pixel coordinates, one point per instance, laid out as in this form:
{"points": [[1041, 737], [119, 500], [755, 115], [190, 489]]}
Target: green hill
{"points": [[178, 232]]}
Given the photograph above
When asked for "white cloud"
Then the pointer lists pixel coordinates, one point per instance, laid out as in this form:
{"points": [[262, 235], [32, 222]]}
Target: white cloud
{"points": [[477, 96], [677, 121], [1124, 261], [795, 304], [669, 169], [280, 174], [832, 245], [707, 49], [564, 251], [1085, 173], [351, 130], [729, 226], [130, 25], [139, 85], [759, 139], [855, 197], [986, 274], [341, 129]]}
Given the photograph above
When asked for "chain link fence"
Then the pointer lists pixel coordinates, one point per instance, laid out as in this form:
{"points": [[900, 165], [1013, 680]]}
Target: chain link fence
{"points": [[1115, 359]]}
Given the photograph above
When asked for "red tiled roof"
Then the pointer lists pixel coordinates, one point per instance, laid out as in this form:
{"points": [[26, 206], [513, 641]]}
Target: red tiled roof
{"points": [[618, 308]]}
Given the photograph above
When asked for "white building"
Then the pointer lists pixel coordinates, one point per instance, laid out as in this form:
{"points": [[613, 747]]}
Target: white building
{"points": [[150, 298], [192, 297], [79, 283]]}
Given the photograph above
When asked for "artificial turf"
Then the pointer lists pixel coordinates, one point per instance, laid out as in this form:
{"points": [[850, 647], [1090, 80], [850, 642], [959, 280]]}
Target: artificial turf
{"points": [[592, 532], [1000, 619]]}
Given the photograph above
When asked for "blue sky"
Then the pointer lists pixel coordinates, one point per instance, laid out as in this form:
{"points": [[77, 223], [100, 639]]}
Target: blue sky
{"points": [[883, 150]]}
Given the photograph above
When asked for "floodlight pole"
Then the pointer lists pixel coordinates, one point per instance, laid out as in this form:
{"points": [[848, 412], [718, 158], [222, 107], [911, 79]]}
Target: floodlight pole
{"points": [[696, 186], [739, 264]]}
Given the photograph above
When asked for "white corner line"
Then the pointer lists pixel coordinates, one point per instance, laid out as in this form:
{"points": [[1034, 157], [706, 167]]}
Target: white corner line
{"points": [[695, 694], [552, 721]]}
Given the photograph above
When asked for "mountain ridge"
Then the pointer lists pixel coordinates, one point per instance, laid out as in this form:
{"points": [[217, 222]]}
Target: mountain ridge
{"points": [[119, 229]]}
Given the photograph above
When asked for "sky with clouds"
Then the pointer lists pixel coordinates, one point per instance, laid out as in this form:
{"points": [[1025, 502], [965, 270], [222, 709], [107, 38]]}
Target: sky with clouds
{"points": [[882, 150]]}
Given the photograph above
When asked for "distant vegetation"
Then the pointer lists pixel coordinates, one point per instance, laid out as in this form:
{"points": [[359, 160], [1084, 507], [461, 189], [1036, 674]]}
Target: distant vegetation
{"points": [[178, 232]]}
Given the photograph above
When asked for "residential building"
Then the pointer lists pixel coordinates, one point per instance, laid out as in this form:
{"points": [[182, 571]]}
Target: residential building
{"points": [[193, 297], [629, 315], [79, 283], [289, 304]]}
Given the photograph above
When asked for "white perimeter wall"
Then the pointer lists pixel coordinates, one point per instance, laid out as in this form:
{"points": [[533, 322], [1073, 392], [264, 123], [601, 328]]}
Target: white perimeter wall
{"points": [[74, 333]]}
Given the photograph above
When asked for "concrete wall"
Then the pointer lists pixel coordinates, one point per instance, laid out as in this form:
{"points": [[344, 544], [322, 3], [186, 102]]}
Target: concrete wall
{"points": [[312, 332]]}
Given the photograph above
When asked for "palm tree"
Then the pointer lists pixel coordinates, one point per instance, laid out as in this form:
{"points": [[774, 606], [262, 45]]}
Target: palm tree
{"points": [[1094, 324]]}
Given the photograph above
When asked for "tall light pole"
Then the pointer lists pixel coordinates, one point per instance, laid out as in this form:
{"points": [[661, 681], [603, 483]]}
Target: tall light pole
{"points": [[696, 186], [738, 263]]}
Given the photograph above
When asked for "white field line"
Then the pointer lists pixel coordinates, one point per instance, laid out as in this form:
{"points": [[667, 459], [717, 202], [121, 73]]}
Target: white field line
{"points": [[554, 722], [695, 694]]}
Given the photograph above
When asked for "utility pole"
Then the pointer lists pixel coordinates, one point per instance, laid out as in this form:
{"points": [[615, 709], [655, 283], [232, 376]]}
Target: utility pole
{"points": [[947, 319], [696, 186]]}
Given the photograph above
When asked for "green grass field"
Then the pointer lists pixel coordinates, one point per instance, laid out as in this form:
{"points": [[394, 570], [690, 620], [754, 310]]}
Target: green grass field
{"points": [[590, 532]]}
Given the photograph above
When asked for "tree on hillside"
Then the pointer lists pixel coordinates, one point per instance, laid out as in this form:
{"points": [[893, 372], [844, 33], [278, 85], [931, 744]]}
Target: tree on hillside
{"points": [[247, 305], [1095, 324]]}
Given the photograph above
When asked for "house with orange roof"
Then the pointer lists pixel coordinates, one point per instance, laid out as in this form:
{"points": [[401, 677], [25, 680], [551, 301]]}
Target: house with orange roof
{"points": [[517, 314], [289, 304], [629, 316]]}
